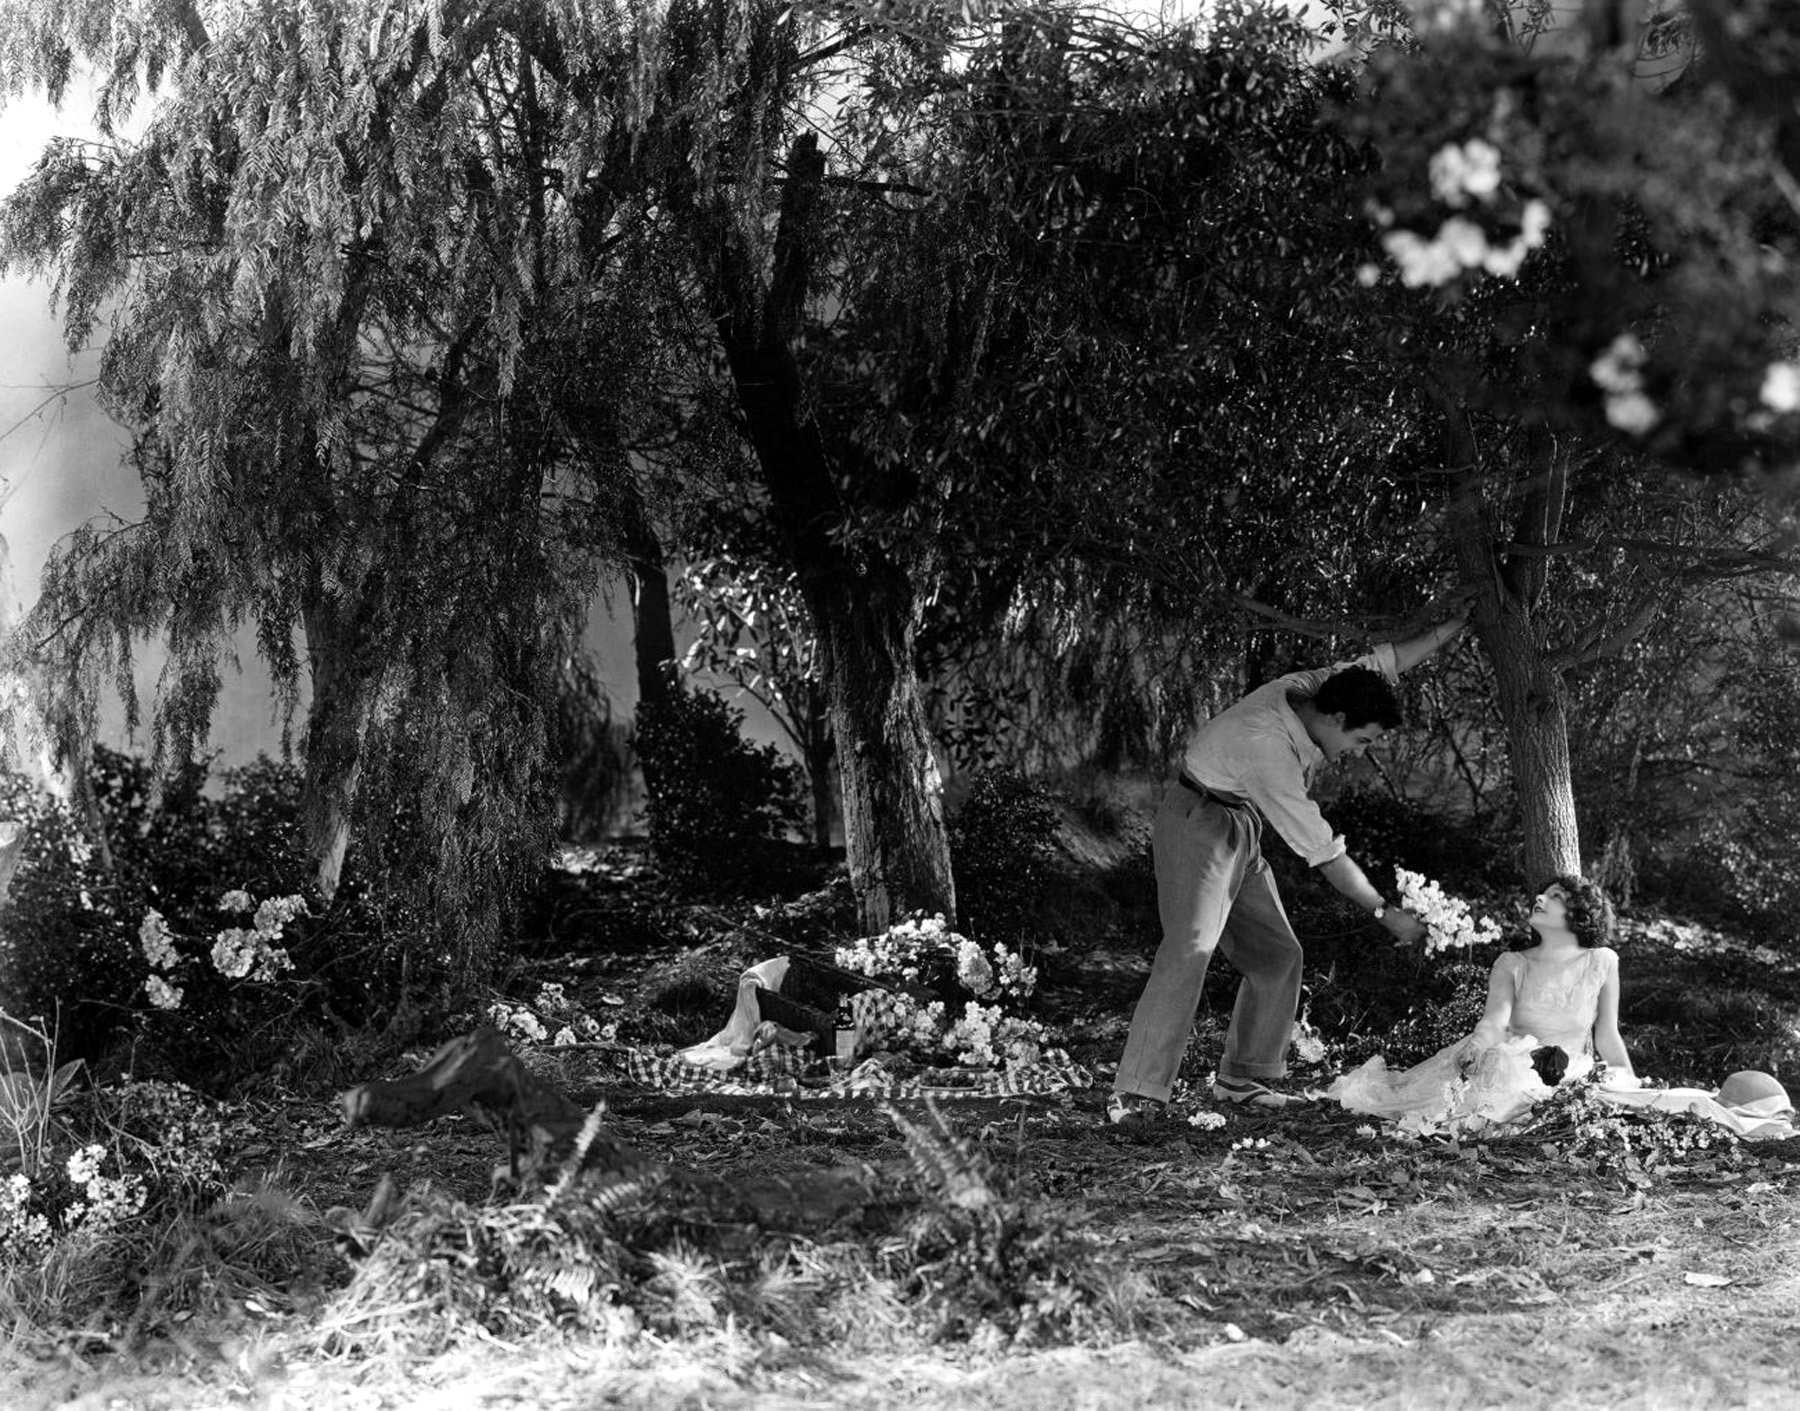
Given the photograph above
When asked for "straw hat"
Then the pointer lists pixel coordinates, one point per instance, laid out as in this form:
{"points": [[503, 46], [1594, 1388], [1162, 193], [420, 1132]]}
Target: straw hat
{"points": [[1750, 1088]]}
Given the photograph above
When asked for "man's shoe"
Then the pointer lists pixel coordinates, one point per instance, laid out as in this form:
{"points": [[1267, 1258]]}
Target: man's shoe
{"points": [[1249, 1092], [1134, 1111]]}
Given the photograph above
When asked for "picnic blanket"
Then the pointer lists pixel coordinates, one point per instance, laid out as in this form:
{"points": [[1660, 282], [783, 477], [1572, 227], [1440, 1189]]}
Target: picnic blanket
{"points": [[752, 1055], [780, 1071]]}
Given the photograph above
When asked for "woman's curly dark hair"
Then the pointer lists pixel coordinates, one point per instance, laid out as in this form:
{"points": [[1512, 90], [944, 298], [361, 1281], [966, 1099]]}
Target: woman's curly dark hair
{"points": [[1590, 911]]}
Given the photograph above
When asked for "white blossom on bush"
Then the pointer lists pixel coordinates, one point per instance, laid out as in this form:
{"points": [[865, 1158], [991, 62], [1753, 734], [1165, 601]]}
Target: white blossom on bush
{"points": [[162, 994], [237, 900], [1461, 170], [1619, 373], [1449, 924], [158, 945], [276, 912], [246, 954], [1781, 387], [1632, 412], [1460, 246]]}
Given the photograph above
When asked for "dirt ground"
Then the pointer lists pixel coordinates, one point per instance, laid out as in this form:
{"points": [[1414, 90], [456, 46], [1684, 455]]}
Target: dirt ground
{"points": [[1322, 1267]]}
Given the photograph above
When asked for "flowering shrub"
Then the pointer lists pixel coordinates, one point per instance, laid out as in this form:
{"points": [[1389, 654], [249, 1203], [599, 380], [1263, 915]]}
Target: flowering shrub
{"points": [[1449, 924], [924, 951], [163, 1148]]}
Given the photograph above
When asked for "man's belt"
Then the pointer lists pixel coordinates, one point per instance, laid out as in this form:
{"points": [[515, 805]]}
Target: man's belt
{"points": [[1194, 786]]}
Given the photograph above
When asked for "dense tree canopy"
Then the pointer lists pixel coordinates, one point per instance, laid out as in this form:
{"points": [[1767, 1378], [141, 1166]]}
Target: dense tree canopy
{"points": [[1043, 355]]}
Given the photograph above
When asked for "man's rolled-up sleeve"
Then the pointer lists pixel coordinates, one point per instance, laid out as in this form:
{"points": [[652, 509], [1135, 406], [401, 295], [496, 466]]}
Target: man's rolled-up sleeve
{"points": [[1277, 788]]}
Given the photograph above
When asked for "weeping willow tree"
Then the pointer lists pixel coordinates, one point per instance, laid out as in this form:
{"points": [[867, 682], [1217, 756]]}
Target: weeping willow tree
{"points": [[366, 359], [389, 291]]}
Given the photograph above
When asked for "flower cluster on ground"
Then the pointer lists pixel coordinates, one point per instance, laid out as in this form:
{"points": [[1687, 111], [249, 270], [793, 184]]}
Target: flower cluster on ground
{"points": [[551, 1017], [1449, 923], [981, 1030], [144, 1145]]}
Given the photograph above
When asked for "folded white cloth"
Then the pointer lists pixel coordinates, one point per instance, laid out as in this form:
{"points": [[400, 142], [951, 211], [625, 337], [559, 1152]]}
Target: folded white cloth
{"points": [[739, 1038], [1762, 1119]]}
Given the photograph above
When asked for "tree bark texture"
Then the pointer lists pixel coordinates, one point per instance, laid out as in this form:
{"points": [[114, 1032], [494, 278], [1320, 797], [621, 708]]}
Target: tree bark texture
{"points": [[337, 726], [1530, 693], [863, 604]]}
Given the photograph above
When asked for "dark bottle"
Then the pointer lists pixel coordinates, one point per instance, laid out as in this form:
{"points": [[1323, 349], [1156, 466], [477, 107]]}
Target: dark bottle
{"points": [[844, 1052]]}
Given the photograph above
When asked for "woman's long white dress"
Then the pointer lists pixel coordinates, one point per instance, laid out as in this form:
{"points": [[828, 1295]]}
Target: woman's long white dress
{"points": [[1460, 1085]]}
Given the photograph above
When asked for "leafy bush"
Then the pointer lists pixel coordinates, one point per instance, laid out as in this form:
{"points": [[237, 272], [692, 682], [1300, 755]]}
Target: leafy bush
{"points": [[1385, 832], [1745, 872], [1001, 851], [106, 921], [718, 805]]}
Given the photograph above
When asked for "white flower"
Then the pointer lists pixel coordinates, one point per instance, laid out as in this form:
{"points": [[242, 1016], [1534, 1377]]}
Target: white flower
{"points": [[158, 945], [1449, 924], [1308, 1046], [1459, 172], [84, 1165], [1781, 387], [162, 994], [1207, 1120], [1632, 412], [551, 1000], [240, 953], [973, 971], [1420, 262], [526, 1025], [1620, 368], [1534, 223], [234, 901], [276, 912], [564, 1037]]}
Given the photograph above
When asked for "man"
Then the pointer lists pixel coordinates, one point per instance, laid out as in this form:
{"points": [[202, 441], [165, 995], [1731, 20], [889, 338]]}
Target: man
{"points": [[1249, 766]]}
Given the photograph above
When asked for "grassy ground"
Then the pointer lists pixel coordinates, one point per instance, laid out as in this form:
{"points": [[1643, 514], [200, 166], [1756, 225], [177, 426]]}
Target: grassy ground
{"points": [[1279, 1260]]}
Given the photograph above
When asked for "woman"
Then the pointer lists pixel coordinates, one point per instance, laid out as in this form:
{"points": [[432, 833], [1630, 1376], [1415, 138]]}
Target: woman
{"points": [[1561, 993]]}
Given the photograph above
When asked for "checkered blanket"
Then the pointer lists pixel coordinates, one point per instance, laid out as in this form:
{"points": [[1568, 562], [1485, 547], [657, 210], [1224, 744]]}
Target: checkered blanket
{"points": [[783, 1072]]}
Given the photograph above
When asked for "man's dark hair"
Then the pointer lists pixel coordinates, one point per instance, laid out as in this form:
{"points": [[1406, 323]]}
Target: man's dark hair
{"points": [[1365, 697], [1590, 913]]}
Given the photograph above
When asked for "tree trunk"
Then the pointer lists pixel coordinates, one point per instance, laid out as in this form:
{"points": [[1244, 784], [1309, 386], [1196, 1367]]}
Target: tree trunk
{"points": [[818, 768], [337, 726], [1529, 689], [653, 624], [862, 603], [12, 852], [894, 833], [1533, 705]]}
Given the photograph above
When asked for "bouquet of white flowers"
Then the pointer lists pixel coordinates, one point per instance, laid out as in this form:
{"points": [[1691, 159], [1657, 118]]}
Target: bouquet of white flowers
{"points": [[1449, 924], [924, 950]]}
